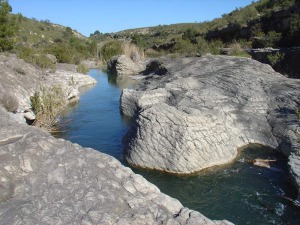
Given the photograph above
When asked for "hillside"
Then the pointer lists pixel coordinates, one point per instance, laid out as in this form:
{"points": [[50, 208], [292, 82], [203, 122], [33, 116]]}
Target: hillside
{"points": [[250, 25], [262, 24], [35, 37], [258, 19], [42, 33]]}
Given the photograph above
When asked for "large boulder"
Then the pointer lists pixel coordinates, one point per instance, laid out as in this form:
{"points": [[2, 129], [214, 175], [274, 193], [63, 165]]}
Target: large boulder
{"points": [[123, 65], [52, 181], [204, 109]]}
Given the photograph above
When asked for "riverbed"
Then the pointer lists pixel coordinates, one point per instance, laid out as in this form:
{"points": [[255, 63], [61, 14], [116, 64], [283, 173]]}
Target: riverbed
{"points": [[238, 192]]}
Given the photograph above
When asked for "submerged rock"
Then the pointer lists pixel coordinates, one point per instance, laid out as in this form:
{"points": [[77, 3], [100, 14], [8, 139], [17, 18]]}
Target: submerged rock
{"points": [[204, 109]]}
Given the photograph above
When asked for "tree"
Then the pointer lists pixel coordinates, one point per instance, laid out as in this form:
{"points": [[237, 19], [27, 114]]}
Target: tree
{"points": [[8, 26]]}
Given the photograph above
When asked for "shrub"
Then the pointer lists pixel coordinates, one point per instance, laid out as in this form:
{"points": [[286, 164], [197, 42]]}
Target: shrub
{"points": [[63, 53], [39, 60], [82, 69], [184, 47], [10, 103], [236, 50], [138, 40], [8, 26], [133, 52], [215, 47], [26, 54], [272, 39], [202, 46], [151, 53], [294, 30], [111, 49], [268, 40], [276, 58], [189, 35], [43, 62], [47, 105]]}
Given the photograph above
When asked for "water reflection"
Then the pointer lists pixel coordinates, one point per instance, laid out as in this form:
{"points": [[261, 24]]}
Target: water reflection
{"points": [[122, 82]]}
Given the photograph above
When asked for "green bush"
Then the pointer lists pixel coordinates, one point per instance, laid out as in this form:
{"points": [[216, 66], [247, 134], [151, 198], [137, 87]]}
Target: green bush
{"points": [[202, 46], [269, 40], [63, 53], [8, 26], [276, 58], [236, 50], [138, 40], [82, 69], [294, 30], [26, 54], [215, 47], [184, 47], [47, 104], [43, 62], [39, 60], [272, 39], [111, 49], [189, 35]]}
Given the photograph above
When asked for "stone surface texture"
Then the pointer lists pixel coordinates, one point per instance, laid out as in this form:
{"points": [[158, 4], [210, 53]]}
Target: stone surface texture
{"points": [[123, 65], [44, 180], [21, 80], [204, 109]]}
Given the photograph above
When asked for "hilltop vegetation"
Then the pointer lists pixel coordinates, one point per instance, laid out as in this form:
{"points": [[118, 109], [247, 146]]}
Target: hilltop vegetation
{"points": [[265, 23], [43, 37], [34, 40]]}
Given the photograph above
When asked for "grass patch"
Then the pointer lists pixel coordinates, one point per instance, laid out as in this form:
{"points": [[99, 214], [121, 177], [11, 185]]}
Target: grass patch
{"points": [[82, 69], [47, 104]]}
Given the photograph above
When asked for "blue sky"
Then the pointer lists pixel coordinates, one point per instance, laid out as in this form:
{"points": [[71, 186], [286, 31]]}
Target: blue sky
{"points": [[87, 16]]}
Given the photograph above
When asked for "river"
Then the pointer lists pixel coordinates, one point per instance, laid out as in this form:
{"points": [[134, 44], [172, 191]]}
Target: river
{"points": [[238, 192]]}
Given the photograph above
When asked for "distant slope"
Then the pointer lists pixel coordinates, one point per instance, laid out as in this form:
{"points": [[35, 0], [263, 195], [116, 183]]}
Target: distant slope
{"points": [[251, 22], [43, 37], [40, 33]]}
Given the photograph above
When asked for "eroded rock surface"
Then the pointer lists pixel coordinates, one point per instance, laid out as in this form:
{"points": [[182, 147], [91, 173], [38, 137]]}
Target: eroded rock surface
{"points": [[21, 80], [123, 65], [44, 180], [204, 109]]}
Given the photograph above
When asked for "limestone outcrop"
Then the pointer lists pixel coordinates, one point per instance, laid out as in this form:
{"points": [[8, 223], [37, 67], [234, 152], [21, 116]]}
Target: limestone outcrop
{"points": [[204, 109], [20, 80], [44, 180], [52, 181], [123, 65]]}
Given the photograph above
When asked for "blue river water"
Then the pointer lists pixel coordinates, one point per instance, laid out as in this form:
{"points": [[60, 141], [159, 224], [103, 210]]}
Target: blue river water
{"points": [[238, 192]]}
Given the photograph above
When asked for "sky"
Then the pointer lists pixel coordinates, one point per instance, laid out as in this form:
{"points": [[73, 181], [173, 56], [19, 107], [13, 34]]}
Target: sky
{"points": [[87, 16]]}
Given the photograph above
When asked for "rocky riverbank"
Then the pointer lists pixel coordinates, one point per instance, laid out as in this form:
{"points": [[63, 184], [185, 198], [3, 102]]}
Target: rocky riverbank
{"points": [[20, 80], [44, 180], [199, 113]]}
